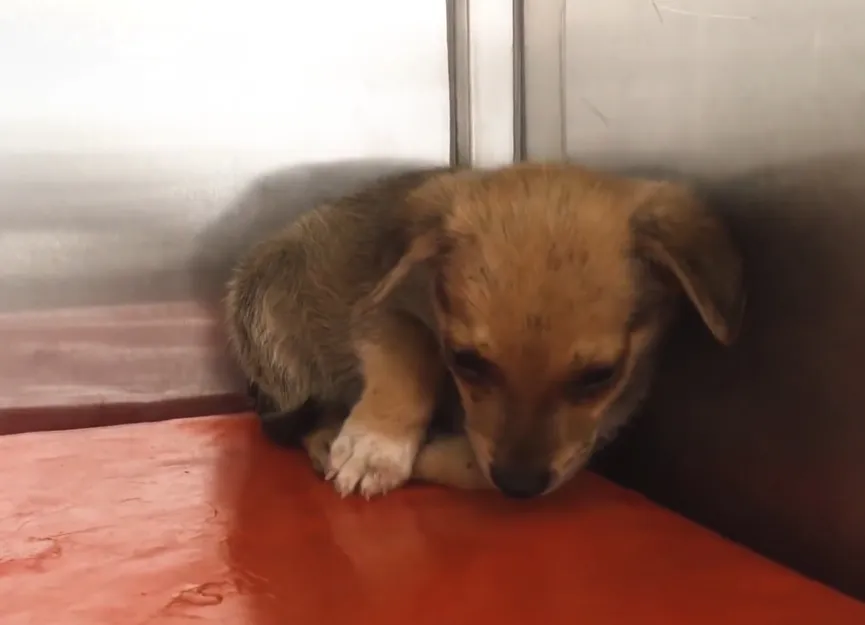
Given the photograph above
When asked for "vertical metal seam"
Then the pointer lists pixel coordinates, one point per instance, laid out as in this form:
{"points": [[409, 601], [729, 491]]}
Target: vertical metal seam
{"points": [[519, 63], [563, 82], [544, 101], [459, 79]]}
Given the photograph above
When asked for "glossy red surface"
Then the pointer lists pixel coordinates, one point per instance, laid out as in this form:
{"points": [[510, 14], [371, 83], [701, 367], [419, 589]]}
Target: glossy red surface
{"points": [[201, 520]]}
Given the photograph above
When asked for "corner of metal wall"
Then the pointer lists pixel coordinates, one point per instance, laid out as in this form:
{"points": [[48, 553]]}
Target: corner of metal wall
{"points": [[543, 107], [485, 65], [519, 62], [459, 77]]}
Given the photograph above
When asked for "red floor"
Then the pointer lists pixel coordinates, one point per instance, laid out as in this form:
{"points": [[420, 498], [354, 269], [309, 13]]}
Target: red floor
{"points": [[200, 520]]}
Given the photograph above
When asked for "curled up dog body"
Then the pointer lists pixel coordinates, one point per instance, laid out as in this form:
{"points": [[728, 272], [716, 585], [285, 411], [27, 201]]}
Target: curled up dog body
{"points": [[537, 295]]}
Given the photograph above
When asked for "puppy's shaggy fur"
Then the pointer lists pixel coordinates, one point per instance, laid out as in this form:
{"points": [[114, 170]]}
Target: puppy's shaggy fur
{"points": [[538, 293]]}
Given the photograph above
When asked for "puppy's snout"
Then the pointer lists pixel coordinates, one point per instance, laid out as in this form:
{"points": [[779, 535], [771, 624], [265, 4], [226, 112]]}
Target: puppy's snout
{"points": [[519, 483]]}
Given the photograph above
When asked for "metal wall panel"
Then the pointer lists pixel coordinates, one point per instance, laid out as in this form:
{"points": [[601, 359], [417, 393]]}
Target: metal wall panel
{"points": [[130, 132], [760, 103], [713, 86]]}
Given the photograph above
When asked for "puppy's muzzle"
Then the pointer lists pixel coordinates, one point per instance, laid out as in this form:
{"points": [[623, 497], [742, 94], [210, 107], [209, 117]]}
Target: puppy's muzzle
{"points": [[520, 483]]}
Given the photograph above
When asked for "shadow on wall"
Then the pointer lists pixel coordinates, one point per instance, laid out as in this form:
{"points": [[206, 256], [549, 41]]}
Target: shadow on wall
{"points": [[766, 441], [271, 202], [131, 234]]}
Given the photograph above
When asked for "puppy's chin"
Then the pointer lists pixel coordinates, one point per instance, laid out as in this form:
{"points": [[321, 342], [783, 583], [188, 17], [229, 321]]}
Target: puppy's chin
{"points": [[483, 453], [570, 459], [568, 471]]}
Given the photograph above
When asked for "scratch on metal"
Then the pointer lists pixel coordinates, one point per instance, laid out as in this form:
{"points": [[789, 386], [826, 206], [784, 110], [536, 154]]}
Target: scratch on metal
{"points": [[598, 113], [665, 8]]}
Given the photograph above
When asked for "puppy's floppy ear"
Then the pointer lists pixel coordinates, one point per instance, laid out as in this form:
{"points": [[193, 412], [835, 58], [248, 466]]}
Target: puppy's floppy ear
{"points": [[428, 206], [675, 230]]}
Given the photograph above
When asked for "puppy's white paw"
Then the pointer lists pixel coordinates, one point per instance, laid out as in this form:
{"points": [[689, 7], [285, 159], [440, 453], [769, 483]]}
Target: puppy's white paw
{"points": [[369, 462]]}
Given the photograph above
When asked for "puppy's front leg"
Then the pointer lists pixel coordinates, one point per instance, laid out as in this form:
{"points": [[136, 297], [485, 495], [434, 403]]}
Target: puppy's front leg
{"points": [[376, 447], [450, 461]]}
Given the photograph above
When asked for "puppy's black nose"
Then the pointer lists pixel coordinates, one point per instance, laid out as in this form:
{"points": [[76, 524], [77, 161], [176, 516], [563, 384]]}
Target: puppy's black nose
{"points": [[520, 484]]}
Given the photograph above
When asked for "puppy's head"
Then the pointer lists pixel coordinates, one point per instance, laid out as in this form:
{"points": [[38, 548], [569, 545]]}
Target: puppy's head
{"points": [[551, 286]]}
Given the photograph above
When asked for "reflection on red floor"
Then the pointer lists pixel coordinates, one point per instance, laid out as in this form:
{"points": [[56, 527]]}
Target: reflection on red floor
{"points": [[202, 521]]}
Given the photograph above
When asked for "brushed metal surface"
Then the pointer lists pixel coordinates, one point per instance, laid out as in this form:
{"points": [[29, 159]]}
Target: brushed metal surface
{"points": [[130, 131], [762, 104]]}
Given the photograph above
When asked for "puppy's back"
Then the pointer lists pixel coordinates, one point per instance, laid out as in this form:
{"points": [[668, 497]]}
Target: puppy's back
{"points": [[289, 301]]}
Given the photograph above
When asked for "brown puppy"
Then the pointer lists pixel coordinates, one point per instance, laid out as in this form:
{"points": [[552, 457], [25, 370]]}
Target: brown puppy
{"points": [[542, 289]]}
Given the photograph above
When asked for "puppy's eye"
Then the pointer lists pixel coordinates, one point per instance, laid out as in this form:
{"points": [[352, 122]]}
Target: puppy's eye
{"points": [[590, 382], [470, 365]]}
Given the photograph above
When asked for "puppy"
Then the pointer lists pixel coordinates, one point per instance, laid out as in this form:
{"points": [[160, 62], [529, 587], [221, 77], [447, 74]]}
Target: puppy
{"points": [[538, 293]]}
